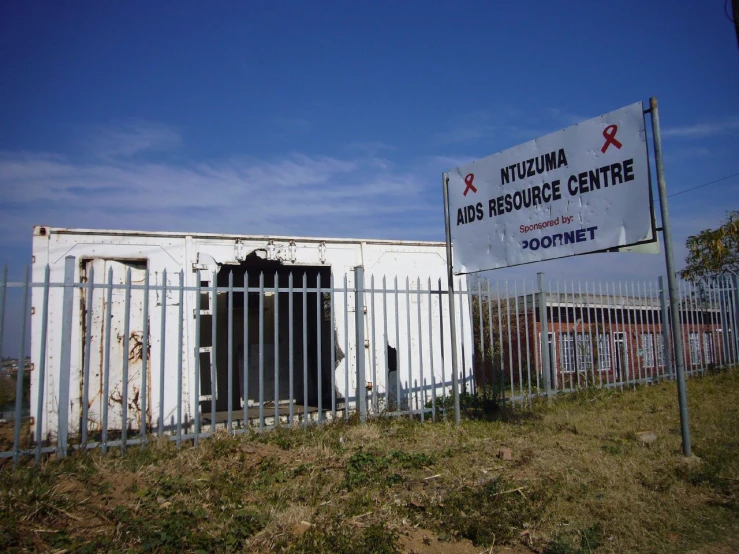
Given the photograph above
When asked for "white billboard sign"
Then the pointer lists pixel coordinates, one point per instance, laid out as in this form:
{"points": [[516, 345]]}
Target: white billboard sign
{"points": [[580, 190]]}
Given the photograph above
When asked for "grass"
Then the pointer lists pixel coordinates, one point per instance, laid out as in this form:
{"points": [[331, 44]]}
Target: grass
{"points": [[579, 482]]}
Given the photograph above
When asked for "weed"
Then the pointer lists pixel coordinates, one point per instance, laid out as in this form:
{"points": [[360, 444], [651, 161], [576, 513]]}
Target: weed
{"points": [[485, 515], [367, 466], [337, 537]]}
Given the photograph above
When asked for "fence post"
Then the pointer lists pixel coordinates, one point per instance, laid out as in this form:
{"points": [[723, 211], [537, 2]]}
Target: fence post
{"points": [[545, 361], [667, 348], [359, 327], [65, 357]]}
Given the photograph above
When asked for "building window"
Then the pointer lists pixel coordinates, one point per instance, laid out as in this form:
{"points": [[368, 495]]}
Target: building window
{"points": [[604, 352], [584, 351], [647, 345], [694, 344], [660, 350], [567, 352], [708, 347]]}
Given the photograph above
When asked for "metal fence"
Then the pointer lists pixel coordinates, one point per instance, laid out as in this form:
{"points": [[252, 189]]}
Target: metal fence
{"points": [[119, 360]]}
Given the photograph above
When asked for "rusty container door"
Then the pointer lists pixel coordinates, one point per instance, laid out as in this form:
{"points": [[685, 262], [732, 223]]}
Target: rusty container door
{"points": [[115, 358]]}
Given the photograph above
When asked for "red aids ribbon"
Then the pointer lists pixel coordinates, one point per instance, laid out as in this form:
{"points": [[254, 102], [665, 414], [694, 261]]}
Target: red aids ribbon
{"points": [[468, 181], [609, 133]]}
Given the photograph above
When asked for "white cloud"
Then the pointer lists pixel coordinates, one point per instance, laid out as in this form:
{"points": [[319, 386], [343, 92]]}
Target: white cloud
{"points": [[131, 138], [702, 130], [295, 195]]}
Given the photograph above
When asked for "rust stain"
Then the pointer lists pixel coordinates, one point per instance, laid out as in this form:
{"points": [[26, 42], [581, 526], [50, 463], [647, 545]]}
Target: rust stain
{"points": [[137, 349]]}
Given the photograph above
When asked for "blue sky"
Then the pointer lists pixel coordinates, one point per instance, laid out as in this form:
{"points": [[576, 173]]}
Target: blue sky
{"points": [[338, 118]]}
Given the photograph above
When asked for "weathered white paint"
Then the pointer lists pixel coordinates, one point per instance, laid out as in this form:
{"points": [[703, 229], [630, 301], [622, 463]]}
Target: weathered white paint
{"points": [[177, 252]]}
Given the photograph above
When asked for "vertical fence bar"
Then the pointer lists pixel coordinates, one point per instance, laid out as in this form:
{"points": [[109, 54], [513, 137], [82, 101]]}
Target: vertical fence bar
{"points": [[374, 346], [481, 361], [528, 346], [644, 313], [731, 319], [346, 347], [491, 339], [144, 357], [332, 330], [563, 332], [180, 345], [657, 326], [162, 350], [106, 364], [441, 344], [735, 315], [518, 344], [693, 316], [510, 343], [397, 348], [276, 312], [214, 354], [384, 340], [86, 366], [617, 377], [420, 351], [688, 324], [606, 337], [319, 361], [691, 327], [625, 347], [714, 313], [727, 322], [732, 306], [665, 328], [245, 368], [305, 349], [466, 293], [230, 351], [538, 350], [65, 360], [42, 361], [431, 356], [409, 383], [586, 306], [578, 309], [124, 372], [729, 329], [359, 328], [291, 348], [633, 300], [196, 352], [651, 328], [570, 333], [623, 291], [611, 374], [261, 346], [500, 344], [682, 310], [600, 329]]}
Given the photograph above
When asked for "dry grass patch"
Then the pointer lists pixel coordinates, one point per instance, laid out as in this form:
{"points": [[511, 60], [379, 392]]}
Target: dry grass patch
{"points": [[578, 482]]}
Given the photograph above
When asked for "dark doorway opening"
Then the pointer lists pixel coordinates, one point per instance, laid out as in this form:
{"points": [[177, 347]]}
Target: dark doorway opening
{"points": [[270, 348]]}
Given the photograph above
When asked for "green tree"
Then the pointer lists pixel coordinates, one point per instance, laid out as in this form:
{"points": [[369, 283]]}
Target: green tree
{"points": [[713, 252]]}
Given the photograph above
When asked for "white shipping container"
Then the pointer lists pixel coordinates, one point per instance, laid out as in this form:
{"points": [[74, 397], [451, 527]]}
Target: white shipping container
{"points": [[201, 256]]}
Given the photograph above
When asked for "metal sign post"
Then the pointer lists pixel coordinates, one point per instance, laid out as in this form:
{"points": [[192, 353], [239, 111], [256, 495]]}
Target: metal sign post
{"points": [[450, 288], [677, 338]]}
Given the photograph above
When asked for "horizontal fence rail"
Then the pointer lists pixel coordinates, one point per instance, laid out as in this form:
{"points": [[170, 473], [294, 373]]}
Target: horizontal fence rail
{"points": [[119, 355]]}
